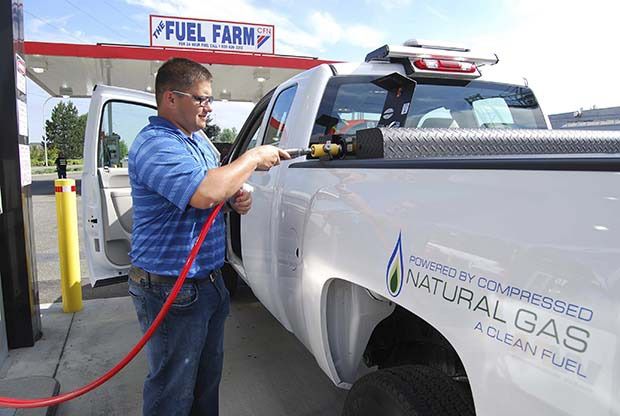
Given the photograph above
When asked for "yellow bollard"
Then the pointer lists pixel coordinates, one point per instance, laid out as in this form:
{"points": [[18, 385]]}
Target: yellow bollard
{"points": [[68, 245]]}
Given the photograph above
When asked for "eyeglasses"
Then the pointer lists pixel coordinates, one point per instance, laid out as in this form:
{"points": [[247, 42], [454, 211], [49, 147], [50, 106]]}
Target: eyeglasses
{"points": [[202, 100]]}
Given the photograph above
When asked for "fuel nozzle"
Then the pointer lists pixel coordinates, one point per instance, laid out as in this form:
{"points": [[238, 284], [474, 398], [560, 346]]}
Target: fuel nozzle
{"points": [[327, 149], [295, 153]]}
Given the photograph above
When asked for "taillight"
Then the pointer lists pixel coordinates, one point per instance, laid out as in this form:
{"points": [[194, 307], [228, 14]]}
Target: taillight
{"points": [[444, 65]]}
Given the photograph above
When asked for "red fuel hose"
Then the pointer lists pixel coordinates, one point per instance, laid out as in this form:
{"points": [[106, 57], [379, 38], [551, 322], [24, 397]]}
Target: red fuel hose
{"points": [[52, 401]]}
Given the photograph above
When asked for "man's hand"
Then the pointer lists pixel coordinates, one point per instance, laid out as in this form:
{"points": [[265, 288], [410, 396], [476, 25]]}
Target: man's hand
{"points": [[241, 202], [268, 156], [221, 182]]}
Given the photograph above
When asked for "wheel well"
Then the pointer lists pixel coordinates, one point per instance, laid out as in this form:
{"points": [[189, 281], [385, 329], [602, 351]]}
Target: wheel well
{"points": [[351, 314], [404, 338], [366, 331]]}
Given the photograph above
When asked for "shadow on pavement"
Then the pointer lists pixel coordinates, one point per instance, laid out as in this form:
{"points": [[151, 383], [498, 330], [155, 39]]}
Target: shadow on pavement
{"points": [[244, 294], [117, 290]]}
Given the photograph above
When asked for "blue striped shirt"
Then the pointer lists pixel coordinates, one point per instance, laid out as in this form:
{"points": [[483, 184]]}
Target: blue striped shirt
{"points": [[165, 169]]}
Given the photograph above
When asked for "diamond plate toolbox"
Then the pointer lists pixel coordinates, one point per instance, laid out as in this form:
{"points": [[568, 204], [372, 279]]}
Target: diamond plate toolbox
{"points": [[412, 143]]}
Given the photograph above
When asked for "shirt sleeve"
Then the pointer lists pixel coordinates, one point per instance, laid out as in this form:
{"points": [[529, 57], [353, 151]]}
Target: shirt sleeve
{"points": [[165, 165]]}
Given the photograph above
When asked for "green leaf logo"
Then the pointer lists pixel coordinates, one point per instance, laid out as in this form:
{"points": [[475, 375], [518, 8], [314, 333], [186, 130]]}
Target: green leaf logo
{"points": [[394, 271], [394, 279]]}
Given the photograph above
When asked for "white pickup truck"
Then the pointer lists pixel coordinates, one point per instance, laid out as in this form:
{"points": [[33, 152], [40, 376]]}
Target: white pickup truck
{"points": [[456, 258]]}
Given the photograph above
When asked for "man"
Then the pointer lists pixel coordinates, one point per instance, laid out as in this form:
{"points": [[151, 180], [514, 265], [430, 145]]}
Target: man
{"points": [[175, 181], [61, 166]]}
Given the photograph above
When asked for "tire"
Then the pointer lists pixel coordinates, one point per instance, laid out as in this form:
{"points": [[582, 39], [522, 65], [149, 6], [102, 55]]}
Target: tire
{"points": [[231, 279], [410, 390]]}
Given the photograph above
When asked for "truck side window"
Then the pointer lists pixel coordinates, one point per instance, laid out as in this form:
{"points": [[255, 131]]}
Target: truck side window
{"points": [[350, 103], [279, 114], [253, 140], [120, 124]]}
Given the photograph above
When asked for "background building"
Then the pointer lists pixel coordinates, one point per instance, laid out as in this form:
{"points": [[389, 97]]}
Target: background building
{"points": [[594, 119]]}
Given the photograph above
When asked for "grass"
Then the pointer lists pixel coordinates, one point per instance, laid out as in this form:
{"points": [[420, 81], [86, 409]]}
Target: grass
{"points": [[42, 170]]}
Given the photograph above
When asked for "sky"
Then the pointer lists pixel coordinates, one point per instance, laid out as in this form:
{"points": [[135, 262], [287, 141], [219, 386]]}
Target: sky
{"points": [[564, 49]]}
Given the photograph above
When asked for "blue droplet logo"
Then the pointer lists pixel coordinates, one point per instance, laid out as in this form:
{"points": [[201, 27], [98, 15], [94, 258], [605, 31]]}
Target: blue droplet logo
{"points": [[394, 271]]}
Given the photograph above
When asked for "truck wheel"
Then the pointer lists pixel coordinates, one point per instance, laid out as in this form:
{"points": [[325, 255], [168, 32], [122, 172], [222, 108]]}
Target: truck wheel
{"points": [[231, 279], [410, 390]]}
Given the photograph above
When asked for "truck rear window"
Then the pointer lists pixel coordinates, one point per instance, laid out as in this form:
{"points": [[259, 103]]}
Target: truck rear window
{"points": [[351, 103]]}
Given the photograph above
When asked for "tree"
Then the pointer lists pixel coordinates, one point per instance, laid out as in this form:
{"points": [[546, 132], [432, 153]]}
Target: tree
{"points": [[37, 157], [65, 130], [212, 131], [227, 135], [81, 132], [123, 149]]}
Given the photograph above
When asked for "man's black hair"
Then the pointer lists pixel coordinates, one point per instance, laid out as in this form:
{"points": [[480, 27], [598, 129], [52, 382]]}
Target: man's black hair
{"points": [[179, 74]]}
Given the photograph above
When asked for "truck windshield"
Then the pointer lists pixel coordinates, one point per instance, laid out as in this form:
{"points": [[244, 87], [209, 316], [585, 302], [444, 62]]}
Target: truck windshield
{"points": [[351, 103]]}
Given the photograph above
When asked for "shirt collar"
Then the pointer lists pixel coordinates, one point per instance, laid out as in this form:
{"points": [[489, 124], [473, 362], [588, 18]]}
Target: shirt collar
{"points": [[158, 121]]}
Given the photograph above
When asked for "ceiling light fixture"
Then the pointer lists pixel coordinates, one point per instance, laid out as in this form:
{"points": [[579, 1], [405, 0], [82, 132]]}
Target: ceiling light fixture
{"points": [[65, 91], [261, 74], [38, 64], [225, 95]]}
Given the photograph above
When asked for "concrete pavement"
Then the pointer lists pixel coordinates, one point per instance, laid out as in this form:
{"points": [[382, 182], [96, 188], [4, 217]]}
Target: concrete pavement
{"points": [[267, 372]]}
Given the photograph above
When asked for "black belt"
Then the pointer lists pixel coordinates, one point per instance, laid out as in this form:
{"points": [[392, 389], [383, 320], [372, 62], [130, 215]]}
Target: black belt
{"points": [[138, 275]]}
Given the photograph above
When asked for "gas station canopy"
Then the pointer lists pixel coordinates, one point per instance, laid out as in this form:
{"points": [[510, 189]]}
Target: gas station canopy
{"points": [[72, 70]]}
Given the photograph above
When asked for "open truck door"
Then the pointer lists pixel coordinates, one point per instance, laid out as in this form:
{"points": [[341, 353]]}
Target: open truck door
{"points": [[115, 117]]}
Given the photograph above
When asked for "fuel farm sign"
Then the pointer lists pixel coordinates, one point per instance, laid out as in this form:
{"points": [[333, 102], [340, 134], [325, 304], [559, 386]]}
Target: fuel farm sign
{"points": [[179, 32]]}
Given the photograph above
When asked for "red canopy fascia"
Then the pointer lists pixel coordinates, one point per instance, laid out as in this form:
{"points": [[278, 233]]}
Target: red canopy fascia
{"points": [[149, 53]]}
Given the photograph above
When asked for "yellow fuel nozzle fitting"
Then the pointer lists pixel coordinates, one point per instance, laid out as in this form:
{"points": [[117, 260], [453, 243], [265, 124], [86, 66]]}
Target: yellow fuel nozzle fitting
{"points": [[327, 149]]}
